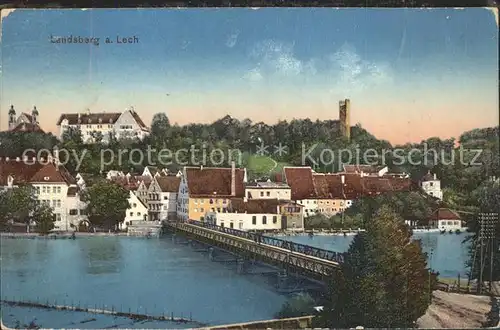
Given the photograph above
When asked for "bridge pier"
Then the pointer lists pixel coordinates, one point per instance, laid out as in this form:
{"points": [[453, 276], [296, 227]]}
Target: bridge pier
{"points": [[282, 280], [211, 253], [241, 266]]}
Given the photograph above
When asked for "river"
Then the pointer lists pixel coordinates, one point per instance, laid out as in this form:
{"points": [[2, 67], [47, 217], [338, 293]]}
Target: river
{"points": [[445, 252], [156, 276]]}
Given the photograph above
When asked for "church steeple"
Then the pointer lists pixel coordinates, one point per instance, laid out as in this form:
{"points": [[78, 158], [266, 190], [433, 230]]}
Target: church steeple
{"points": [[12, 117], [34, 114]]}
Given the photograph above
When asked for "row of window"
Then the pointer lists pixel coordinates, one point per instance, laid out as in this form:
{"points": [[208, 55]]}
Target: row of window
{"points": [[156, 197], [47, 190], [157, 207], [126, 127], [264, 219], [54, 203], [211, 201], [212, 209], [75, 212], [449, 223]]}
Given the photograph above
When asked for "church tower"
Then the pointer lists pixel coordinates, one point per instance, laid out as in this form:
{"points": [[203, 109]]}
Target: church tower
{"points": [[34, 114], [345, 118], [12, 117]]}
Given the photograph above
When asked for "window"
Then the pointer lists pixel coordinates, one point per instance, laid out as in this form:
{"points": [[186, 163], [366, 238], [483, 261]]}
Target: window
{"points": [[165, 207], [131, 214], [222, 224], [44, 189], [231, 225], [138, 213], [268, 193], [254, 220], [73, 212], [58, 190], [431, 184], [53, 203], [224, 201], [58, 203], [218, 209], [165, 198], [275, 218], [264, 220], [58, 217], [134, 205], [211, 201], [83, 212], [261, 194], [249, 195]]}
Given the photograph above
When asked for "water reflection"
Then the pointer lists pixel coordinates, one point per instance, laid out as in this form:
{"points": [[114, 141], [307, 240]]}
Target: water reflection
{"points": [[446, 253], [103, 256]]}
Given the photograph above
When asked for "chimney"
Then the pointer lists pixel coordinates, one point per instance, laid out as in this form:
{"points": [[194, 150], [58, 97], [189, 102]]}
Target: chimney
{"points": [[88, 111], [342, 179], [18, 159], [435, 177], [233, 179]]}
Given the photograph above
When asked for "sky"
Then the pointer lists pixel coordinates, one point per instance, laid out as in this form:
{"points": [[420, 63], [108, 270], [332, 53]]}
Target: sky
{"points": [[410, 74]]}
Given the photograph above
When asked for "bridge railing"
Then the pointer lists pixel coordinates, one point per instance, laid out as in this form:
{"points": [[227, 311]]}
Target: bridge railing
{"points": [[277, 242]]}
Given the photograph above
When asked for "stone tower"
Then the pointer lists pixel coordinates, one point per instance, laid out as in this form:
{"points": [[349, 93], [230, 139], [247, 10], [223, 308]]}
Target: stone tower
{"points": [[12, 117], [345, 118], [34, 114]]}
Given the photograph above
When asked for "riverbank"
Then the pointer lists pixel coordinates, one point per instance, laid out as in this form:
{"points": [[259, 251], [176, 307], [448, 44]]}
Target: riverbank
{"points": [[58, 235]]}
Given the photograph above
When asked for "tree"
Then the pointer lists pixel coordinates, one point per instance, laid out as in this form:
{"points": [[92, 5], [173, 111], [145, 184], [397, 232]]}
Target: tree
{"points": [[487, 199], [107, 204], [18, 205], [44, 219], [299, 305], [383, 281]]}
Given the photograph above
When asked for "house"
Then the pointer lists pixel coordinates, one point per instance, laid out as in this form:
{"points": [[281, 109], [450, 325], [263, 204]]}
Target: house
{"points": [[258, 215], [25, 122], [431, 185], [113, 173], [126, 124], [162, 197], [445, 219], [268, 190], [53, 185], [138, 211], [143, 190], [208, 189], [329, 193], [300, 180]]}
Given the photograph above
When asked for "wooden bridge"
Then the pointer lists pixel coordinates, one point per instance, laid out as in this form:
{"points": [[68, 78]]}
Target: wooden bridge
{"points": [[296, 258]]}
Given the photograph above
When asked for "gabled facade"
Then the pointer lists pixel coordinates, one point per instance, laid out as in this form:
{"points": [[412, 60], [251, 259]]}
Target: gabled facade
{"points": [[162, 198], [53, 185], [138, 211], [208, 189], [268, 190], [126, 124]]}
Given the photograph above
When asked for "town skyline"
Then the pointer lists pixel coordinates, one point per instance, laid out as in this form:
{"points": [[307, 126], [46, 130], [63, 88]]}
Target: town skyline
{"points": [[435, 75]]}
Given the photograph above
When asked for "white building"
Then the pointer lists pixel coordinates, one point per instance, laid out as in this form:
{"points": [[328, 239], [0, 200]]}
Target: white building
{"points": [[268, 190], [257, 215], [431, 185], [138, 211], [445, 219], [162, 197], [53, 185], [127, 124]]}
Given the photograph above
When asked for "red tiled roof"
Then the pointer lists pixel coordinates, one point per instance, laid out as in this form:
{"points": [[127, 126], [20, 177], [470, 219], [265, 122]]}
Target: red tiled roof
{"points": [[92, 118], [168, 183], [211, 181], [361, 168], [25, 172], [255, 206], [300, 180], [353, 186], [27, 127], [132, 182], [444, 214], [328, 186]]}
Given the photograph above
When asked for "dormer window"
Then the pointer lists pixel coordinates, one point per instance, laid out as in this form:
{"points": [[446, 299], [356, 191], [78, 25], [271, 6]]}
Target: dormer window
{"points": [[100, 120], [79, 120], [111, 120], [89, 121], [46, 178]]}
